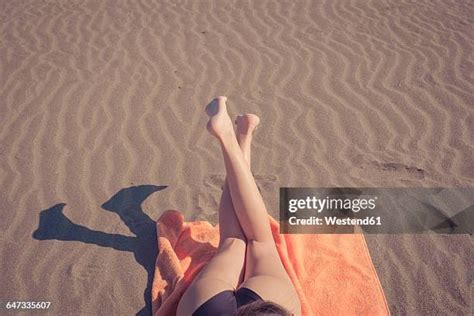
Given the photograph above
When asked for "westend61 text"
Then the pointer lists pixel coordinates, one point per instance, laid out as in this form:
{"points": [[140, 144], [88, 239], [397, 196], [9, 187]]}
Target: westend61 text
{"points": [[333, 220]]}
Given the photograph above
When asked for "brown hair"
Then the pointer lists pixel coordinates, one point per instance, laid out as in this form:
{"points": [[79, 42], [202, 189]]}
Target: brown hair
{"points": [[260, 308]]}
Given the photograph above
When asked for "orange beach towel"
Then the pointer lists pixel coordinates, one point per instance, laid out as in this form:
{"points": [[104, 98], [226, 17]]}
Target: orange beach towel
{"points": [[333, 274]]}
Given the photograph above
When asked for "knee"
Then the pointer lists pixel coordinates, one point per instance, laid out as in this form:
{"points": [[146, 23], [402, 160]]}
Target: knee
{"points": [[266, 244], [232, 242], [261, 247]]}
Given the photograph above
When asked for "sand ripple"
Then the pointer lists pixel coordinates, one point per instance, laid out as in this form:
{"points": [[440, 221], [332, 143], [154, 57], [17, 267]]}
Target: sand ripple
{"points": [[98, 96]]}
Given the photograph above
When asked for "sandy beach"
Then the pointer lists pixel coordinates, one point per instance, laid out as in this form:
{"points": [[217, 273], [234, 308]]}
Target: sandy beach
{"points": [[102, 113]]}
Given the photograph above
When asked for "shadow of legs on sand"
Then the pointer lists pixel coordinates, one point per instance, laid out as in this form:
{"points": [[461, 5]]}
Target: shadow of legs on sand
{"points": [[126, 203]]}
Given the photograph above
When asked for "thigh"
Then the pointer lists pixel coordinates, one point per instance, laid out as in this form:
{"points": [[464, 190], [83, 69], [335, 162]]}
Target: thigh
{"points": [[262, 259], [266, 276], [223, 272]]}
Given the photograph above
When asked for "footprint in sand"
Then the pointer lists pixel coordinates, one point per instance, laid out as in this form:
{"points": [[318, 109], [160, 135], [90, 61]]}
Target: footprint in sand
{"points": [[400, 170]]}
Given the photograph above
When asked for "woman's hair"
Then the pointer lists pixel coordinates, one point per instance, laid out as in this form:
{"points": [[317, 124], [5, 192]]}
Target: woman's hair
{"points": [[258, 308]]}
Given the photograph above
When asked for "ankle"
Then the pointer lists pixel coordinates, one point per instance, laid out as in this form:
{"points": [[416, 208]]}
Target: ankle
{"points": [[228, 139], [244, 134], [244, 138]]}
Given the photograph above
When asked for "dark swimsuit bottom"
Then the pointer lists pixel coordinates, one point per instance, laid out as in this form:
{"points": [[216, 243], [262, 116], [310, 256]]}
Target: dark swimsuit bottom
{"points": [[227, 302]]}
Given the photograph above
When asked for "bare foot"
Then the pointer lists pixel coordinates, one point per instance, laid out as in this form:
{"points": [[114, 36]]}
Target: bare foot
{"points": [[219, 124], [246, 124]]}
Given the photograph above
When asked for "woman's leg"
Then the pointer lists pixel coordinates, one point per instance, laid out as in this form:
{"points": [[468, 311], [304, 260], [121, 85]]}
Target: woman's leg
{"points": [[246, 125], [264, 273], [248, 202], [225, 270], [229, 260], [229, 225]]}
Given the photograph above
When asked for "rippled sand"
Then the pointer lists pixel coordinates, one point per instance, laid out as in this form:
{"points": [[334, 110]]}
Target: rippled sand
{"points": [[100, 96]]}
